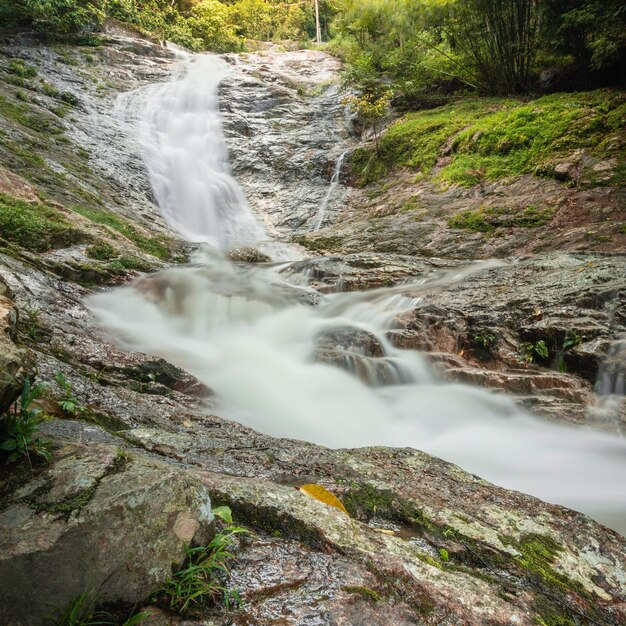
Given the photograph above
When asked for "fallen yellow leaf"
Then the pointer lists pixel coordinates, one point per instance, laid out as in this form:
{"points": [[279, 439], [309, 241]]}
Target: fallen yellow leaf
{"points": [[323, 495]]}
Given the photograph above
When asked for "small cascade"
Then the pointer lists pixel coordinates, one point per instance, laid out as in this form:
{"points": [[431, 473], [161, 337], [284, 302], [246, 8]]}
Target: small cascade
{"points": [[610, 389], [334, 182]]}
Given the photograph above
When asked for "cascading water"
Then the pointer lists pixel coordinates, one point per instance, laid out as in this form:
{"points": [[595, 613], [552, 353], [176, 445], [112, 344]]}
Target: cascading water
{"points": [[334, 182], [180, 131], [251, 335]]}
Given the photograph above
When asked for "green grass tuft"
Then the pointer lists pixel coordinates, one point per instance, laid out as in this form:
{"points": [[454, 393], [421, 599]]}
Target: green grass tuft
{"points": [[487, 219], [156, 246], [35, 226]]}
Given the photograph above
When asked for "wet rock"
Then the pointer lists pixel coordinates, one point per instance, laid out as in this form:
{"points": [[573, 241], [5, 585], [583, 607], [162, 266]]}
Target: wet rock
{"points": [[14, 365], [97, 518], [354, 272], [248, 255]]}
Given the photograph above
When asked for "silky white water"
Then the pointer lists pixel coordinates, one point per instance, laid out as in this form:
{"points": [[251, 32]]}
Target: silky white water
{"points": [[249, 334], [334, 183], [180, 131]]}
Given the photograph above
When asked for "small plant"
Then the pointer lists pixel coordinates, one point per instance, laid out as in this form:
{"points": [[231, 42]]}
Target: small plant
{"points": [[533, 351], [19, 426], [572, 340], [68, 403], [483, 340], [82, 611], [22, 69], [202, 576], [444, 555]]}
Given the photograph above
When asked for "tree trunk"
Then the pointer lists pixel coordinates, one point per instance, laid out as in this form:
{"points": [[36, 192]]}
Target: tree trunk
{"points": [[318, 29]]}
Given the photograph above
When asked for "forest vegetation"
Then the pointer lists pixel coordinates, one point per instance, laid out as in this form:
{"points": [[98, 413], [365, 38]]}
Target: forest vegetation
{"points": [[420, 51]]}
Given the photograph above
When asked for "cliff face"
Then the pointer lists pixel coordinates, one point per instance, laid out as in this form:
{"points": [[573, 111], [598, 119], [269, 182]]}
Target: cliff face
{"points": [[140, 460]]}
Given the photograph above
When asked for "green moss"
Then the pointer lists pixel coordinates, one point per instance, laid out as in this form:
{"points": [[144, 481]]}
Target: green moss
{"points": [[76, 503], [412, 204], [366, 501], [102, 251], [364, 592], [487, 219], [22, 69], [66, 507], [318, 244], [22, 114], [538, 555], [426, 558], [159, 247], [35, 226], [130, 263], [494, 138]]}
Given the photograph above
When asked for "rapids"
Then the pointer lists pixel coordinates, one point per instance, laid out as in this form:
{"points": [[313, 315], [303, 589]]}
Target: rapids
{"points": [[252, 333]]}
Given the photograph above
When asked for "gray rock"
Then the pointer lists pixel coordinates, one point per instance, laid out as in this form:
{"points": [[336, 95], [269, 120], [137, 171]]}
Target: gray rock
{"points": [[97, 519], [13, 360]]}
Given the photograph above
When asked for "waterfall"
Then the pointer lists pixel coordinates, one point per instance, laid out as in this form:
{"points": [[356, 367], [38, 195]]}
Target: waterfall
{"points": [[334, 182], [252, 336], [185, 153]]}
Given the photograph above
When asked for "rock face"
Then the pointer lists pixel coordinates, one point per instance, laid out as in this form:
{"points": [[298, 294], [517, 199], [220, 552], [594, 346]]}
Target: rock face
{"points": [[482, 330], [137, 468], [12, 359], [285, 125], [98, 518]]}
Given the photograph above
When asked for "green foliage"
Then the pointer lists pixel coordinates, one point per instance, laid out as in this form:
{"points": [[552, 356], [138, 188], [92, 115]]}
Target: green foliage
{"points": [[22, 69], [443, 555], [494, 138], [592, 33], [428, 49], [62, 17], [19, 426], [216, 25], [68, 403], [371, 107], [202, 577], [34, 226], [483, 340], [572, 340], [82, 611], [211, 23], [534, 351]]}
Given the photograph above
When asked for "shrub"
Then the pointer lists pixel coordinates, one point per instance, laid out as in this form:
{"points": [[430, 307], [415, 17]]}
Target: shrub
{"points": [[19, 426]]}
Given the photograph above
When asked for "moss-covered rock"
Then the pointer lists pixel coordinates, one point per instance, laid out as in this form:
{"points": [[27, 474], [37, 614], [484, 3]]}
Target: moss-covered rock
{"points": [[487, 139]]}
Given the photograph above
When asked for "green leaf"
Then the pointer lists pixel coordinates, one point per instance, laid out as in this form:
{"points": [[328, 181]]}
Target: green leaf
{"points": [[8, 444], [224, 513]]}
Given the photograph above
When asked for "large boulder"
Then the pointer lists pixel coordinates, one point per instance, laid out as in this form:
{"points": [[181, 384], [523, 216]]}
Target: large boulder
{"points": [[96, 519]]}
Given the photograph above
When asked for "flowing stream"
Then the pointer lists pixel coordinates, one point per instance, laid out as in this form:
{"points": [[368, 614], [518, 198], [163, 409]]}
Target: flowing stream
{"points": [[252, 335]]}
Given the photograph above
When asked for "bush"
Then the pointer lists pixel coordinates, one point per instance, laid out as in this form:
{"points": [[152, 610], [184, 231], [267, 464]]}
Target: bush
{"points": [[19, 426], [62, 17]]}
